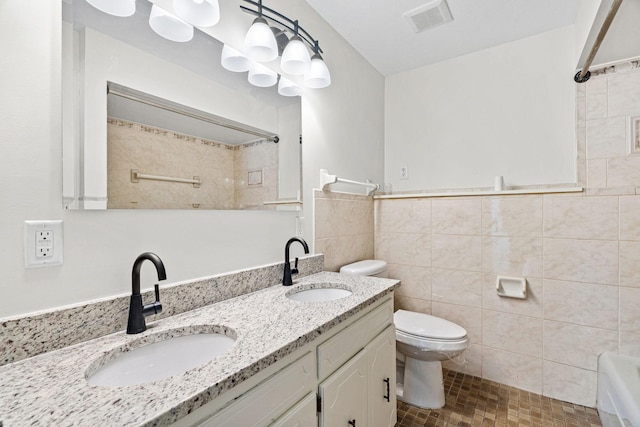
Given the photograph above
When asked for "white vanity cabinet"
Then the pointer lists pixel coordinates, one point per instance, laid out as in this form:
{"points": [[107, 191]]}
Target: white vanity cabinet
{"points": [[362, 391], [343, 375]]}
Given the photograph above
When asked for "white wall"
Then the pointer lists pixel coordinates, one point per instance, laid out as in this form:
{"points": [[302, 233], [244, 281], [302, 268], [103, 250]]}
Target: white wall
{"points": [[100, 246], [343, 124], [507, 110]]}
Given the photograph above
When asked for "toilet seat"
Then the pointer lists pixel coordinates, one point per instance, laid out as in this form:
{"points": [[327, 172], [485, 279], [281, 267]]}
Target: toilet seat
{"points": [[424, 327], [430, 344]]}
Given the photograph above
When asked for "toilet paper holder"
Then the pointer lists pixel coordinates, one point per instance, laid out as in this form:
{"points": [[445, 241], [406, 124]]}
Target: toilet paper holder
{"points": [[511, 287]]}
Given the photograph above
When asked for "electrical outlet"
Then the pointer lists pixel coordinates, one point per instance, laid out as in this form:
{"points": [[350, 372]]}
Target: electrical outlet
{"points": [[43, 243], [404, 172], [299, 226]]}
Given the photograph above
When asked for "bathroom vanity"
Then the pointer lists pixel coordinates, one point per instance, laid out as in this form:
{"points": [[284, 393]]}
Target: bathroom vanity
{"points": [[327, 363], [341, 376]]}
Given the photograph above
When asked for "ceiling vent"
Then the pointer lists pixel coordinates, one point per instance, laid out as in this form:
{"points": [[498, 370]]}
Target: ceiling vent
{"points": [[429, 15]]}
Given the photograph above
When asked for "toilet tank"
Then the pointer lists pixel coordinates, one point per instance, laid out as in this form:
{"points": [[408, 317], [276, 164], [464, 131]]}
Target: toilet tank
{"points": [[368, 267]]}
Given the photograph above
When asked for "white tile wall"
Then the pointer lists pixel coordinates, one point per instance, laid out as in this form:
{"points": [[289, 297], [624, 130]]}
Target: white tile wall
{"points": [[562, 380]]}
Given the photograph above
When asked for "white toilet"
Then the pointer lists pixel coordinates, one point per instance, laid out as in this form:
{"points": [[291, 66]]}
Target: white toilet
{"points": [[423, 341]]}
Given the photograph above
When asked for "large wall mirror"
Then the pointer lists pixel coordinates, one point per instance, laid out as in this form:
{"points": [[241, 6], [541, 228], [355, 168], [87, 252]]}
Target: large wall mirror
{"points": [[154, 124]]}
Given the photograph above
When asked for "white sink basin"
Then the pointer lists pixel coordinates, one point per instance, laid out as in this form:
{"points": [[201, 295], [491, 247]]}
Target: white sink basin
{"points": [[166, 357], [319, 292]]}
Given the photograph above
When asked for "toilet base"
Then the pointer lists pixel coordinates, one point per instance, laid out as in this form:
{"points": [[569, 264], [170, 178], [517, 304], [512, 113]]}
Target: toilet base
{"points": [[423, 384]]}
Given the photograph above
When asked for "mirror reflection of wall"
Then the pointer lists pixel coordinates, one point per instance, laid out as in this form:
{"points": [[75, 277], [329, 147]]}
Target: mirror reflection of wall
{"points": [[250, 172]]}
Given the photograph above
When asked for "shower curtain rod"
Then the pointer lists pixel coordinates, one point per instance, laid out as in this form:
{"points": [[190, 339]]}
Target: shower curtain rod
{"points": [[583, 75], [134, 95]]}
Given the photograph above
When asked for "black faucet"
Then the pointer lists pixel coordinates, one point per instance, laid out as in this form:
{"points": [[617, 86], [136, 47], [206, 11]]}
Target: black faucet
{"points": [[137, 311], [286, 279]]}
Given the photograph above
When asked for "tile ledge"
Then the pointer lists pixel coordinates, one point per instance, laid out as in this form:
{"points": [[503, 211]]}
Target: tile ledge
{"points": [[482, 193]]}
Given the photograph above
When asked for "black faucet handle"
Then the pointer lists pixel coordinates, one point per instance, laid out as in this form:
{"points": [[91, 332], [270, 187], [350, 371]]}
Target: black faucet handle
{"points": [[294, 270], [156, 306]]}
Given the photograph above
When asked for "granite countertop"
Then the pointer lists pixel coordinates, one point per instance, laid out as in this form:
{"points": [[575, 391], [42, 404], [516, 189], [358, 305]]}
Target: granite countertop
{"points": [[50, 389]]}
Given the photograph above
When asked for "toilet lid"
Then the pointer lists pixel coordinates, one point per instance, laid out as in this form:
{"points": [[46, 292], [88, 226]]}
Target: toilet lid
{"points": [[424, 325]]}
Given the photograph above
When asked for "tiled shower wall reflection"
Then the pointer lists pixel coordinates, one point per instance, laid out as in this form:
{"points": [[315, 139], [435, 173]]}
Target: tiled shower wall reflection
{"points": [[233, 177], [580, 254]]}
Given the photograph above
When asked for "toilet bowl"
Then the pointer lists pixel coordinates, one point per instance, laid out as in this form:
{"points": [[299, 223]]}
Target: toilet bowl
{"points": [[423, 341]]}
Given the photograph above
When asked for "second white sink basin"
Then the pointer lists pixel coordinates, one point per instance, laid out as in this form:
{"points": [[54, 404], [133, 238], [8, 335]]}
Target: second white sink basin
{"points": [[168, 356], [319, 292]]}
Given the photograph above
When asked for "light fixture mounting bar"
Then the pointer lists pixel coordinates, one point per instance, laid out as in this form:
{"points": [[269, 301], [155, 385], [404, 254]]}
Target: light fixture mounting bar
{"points": [[291, 25]]}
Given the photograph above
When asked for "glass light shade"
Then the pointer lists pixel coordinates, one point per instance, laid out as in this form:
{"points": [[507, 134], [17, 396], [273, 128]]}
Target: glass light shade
{"points": [[120, 8], [318, 75], [261, 76], [288, 88], [234, 60], [169, 26], [295, 57], [260, 44], [202, 13]]}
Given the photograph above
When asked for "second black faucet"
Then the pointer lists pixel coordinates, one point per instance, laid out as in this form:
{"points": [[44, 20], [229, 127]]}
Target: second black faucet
{"points": [[286, 279]]}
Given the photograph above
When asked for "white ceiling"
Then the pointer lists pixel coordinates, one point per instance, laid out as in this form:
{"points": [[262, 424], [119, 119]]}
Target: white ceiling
{"points": [[377, 29]]}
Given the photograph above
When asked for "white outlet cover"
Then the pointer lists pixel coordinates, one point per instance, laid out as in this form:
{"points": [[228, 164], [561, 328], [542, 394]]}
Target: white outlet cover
{"points": [[31, 228], [404, 172], [299, 226]]}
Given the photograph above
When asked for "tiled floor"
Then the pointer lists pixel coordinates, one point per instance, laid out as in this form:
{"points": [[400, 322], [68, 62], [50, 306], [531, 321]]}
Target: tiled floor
{"points": [[472, 401]]}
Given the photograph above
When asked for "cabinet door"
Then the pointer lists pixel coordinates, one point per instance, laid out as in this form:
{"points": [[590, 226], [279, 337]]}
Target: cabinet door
{"points": [[302, 415], [344, 395], [381, 355]]}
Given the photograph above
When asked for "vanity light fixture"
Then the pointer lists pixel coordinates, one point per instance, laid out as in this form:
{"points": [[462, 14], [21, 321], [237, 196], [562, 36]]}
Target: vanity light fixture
{"points": [[295, 57], [201, 13], [262, 76], [318, 75], [262, 45], [234, 60], [169, 26], [288, 88], [122, 8]]}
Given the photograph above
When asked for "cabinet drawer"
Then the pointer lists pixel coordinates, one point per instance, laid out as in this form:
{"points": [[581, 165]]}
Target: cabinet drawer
{"points": [[302, 415], [337, 350], [270, 399]]}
